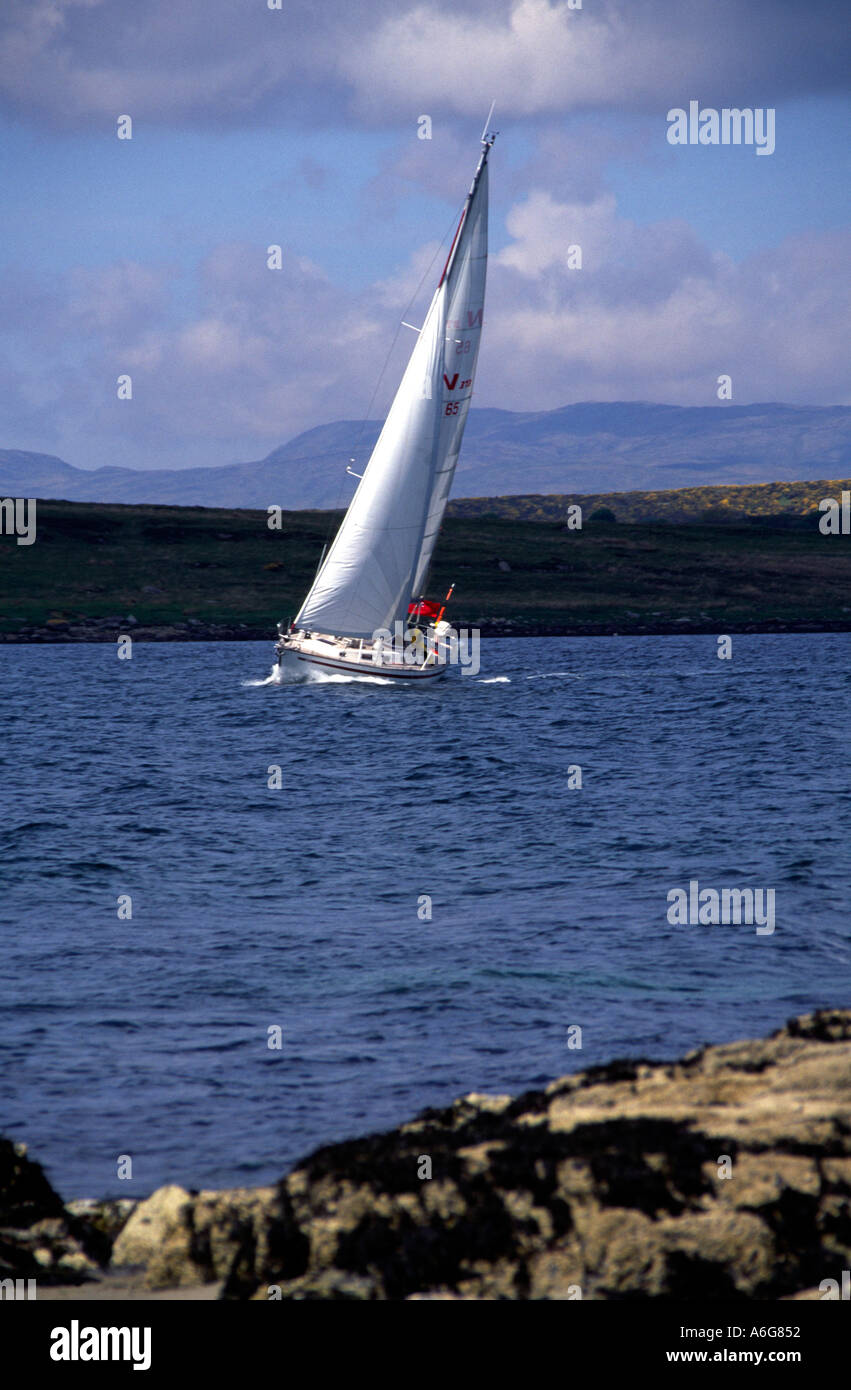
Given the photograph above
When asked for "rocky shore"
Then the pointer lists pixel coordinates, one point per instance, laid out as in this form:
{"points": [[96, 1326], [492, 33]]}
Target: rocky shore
{"points": [[725, 1175], [110, 629], [194, 630]]}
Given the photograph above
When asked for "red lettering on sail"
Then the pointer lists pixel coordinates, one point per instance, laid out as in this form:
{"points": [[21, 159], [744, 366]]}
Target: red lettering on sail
{"points": [[450, 385], [474, 320]]}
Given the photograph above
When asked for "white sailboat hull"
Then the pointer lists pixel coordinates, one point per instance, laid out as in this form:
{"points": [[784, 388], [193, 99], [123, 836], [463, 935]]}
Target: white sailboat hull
{"points": [[353, 658]]}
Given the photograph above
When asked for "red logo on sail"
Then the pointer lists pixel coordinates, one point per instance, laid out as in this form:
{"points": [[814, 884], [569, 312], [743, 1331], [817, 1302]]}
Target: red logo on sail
{"points": [[450, 385]]}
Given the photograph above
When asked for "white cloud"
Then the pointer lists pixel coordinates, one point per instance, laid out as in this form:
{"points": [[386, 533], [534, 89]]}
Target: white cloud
{"points": [[540, 57], [544, 230], [653, 314]]}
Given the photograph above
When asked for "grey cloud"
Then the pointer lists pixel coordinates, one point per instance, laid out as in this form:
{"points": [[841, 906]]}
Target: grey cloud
{"points": [[235, 62]]}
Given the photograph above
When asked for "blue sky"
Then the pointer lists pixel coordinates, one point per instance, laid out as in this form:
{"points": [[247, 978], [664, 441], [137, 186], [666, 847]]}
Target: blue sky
{"points": [[740, 203], [253, 127]]}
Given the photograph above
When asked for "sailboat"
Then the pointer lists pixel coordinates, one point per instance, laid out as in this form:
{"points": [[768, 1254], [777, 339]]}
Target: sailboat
{"points": [[368, 592]]}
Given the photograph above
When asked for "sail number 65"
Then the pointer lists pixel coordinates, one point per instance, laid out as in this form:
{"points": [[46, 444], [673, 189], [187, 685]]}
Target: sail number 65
{"points": [[452, 408]]}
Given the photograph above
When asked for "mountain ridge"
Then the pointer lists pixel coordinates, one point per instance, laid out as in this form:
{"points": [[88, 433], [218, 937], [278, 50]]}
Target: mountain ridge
{"points": [[588, 447]]}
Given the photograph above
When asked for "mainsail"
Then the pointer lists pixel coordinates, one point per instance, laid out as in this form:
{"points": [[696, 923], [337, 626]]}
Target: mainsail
{"points": [[382, 551]]}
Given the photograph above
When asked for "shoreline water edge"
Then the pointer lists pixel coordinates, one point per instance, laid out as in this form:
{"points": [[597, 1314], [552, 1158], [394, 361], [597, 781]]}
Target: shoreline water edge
{"points": [[723, 1175], [193, 630]]}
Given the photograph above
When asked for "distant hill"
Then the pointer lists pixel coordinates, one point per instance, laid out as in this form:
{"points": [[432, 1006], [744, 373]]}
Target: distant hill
{"points": [[769, 503], [587, 448]]}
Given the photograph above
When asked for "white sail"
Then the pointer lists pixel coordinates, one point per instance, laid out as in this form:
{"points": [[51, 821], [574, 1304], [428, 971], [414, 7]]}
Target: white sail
{"points": [[383, 548], [464, 311]]}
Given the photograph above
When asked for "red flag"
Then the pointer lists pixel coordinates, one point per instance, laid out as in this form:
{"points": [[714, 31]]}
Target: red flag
{"points": [[424, 609]]}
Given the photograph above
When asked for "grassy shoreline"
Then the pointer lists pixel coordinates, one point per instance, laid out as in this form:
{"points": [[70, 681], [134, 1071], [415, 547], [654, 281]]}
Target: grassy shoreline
{"points": [[193, 573]]}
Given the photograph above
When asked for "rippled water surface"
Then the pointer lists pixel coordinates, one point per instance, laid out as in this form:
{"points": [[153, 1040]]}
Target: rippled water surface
{"points": [[300, 907]]}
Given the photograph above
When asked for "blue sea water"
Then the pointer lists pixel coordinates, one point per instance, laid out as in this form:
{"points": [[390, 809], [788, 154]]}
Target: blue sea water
{"points": [[301, 907]]}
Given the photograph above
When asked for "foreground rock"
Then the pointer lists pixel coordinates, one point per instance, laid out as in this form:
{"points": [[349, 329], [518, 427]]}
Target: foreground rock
{"points": [[724, 1175], [183, 1239], [609, 1183], [39, 1237]]}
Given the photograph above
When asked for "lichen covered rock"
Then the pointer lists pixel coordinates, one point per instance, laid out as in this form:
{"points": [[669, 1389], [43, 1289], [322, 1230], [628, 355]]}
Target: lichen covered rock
{"points": [[725, 1175]]}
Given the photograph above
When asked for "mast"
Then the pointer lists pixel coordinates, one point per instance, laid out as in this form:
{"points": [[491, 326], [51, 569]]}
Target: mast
{"points": [[487, 142]]}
